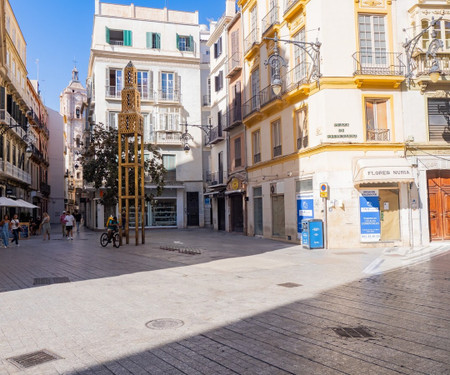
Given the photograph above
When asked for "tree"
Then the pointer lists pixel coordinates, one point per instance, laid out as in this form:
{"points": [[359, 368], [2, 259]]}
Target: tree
{"points": [[100, 165]]}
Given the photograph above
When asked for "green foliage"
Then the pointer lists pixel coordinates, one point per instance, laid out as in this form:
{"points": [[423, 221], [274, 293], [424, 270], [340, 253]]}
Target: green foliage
{"points": [[100, 165]]}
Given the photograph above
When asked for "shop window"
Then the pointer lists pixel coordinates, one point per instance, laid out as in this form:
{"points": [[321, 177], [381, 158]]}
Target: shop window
{"points": [[377, 123], [164, 213]]}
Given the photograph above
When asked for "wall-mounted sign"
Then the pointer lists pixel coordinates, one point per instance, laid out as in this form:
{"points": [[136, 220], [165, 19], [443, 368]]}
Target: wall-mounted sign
{"points": [[369, 205], [305, 210], [324, 190]]}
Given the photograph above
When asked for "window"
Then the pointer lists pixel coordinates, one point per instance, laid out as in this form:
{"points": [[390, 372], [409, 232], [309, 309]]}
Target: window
{"points": [[439, 120], [77, 112], [113, 120], [255, 89], [377, 127], [218, 48], [256, 140], [442, 32], [119, 37], [237, 153], [301, 123], [300, 72], [114, 83], [149, 128], [154, 40], [218, 81], [185, 43], [14, 155], [372, 39], [8, 151], [8, 25], [143, 84], [169, 119], [303, 186], [169, 165], [168, 86], [7, 58], [276, 138], [220, 166]]}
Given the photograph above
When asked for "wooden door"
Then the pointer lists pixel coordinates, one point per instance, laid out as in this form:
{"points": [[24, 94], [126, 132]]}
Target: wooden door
{"points": [[439, 204], [389, 215]]}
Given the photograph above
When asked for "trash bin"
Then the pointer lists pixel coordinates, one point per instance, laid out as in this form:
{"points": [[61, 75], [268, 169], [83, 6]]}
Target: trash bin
{"points": [[312, 234]]}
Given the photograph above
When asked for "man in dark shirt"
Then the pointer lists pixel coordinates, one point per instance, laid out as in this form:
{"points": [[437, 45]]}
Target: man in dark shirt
{"points": [[77, 217]]}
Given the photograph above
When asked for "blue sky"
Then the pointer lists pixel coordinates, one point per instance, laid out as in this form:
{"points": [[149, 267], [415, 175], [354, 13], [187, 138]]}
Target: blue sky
{"points": [[59, 31]]}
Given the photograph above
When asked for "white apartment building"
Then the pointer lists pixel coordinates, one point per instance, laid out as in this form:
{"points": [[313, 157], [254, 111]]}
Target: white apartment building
{"points": [[164, 46], [217, 178], [355, 128]]}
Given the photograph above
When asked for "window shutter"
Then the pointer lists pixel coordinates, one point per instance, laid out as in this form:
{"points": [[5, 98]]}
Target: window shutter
{"points": [[178, 41], [191, 43], [221, 80], [149, 40], [216, 84], [215, 50], [157, 40], [220, 46], [127, 38], [107, 35], [2, 97], [150, 83]]}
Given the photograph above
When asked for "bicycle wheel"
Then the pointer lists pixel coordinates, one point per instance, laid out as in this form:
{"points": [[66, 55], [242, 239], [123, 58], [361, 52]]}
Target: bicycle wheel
{"points": [[104, 239], [116, 240]]}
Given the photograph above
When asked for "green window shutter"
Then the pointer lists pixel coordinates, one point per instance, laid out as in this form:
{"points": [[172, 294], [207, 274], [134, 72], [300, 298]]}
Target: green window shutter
{"points": [[191, 43], [127, 38], [178, 41], [158, 40], [107, 35], [149, 40]]}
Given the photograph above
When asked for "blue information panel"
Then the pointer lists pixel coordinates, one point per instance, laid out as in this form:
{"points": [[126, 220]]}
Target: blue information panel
{"points": [[369, 204], [305, 210]]}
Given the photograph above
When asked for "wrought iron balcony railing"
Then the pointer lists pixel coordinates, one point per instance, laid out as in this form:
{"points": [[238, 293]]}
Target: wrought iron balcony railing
{"points": [[288, 4], [378, 135], [215, 178], [378, 63], [252, 105], [270, 19], [169, 95], [234, 64], [206, 101], [216, 134], [267, 95], [234, 116], [251, 39]]}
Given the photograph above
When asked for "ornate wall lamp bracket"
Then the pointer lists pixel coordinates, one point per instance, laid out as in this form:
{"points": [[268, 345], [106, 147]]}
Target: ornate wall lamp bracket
{"points": [[186, 137]]}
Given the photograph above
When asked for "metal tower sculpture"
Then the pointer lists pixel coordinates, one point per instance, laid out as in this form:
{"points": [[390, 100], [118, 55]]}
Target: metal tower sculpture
{"points": [[131, 156]]}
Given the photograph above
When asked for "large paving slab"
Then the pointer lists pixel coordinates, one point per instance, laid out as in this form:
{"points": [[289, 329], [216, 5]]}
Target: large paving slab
{"points": [[243, 306]]}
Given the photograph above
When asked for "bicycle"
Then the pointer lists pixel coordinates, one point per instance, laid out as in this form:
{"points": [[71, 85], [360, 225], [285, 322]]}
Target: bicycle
{"points": [[104, 240]]}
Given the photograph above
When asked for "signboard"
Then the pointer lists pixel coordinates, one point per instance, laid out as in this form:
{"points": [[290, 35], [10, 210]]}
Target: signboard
{"points": [[369, 204], [305, 210], [324, 190]]}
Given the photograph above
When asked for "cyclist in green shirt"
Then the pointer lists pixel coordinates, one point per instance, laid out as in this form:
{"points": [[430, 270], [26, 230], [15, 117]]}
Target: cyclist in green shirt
{"points": [[112, 226]]}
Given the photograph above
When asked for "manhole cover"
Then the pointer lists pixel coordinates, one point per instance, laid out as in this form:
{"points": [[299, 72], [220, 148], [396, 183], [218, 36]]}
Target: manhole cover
{"points": [[290, 285], [33, 359], [50, 280], [165, 323], [357, 332]]}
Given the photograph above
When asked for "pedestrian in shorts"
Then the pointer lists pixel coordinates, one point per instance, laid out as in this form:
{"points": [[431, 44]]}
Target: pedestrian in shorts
{"points": [[15, 227], [70, 221]]}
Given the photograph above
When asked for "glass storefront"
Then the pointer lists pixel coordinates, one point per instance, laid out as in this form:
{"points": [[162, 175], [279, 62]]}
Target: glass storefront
{"points": [[163, 213]]}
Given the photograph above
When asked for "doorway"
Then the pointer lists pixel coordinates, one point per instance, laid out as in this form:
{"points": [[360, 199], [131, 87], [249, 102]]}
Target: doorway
{"points": [[389, 215], [439, 204], [237, 216], [278, 220], [221, 213], [192, 209]]}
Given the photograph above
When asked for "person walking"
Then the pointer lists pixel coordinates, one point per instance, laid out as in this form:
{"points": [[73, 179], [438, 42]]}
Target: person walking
{"points": [[45, 226], [77, 217], [15, 227], [62, 220], [70, 220], [6, 226]]}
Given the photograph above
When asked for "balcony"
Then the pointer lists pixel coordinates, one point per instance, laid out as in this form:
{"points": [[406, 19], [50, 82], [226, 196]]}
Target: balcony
{"points": [[206, 101], [270, 20], [234, 117], [267, 95], [146, 94], [378, 135], [45, 189], [169, 95], [167, 138], [214, 178], [234, 64], [252, 105], [380, 68], [113, 92], [216, 135], [252, 40], [11, 171], [296, 77], [293, 8], [7, 119], [423, 64]]}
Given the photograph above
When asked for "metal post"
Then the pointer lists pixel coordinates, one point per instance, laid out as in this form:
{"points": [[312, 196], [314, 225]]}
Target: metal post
{"points": [[325, 223]]}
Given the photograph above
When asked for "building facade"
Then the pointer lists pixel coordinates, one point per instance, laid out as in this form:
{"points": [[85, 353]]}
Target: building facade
{"points": [[343, 139], [164, 45]]}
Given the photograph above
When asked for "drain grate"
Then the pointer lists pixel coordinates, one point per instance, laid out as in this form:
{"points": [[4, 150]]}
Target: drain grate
{"points": [[165, 323], [290, 285], [33, 359], [181, 250], [357, 332], [50, 280]]}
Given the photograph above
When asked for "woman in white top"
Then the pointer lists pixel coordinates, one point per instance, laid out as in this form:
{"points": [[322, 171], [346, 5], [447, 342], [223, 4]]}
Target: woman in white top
{"points": [[15, 225]]}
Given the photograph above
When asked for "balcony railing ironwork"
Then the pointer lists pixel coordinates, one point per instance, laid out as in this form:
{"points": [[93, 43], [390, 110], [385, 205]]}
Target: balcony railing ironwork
{"points": [[277, 151], [270, 19], [206, 101], [288, 4], [378, 135], [113, 92], [234, 116], [162, 137], [169, 95], [234, 63], [214, 178], [252, 105], [216, 134], [45, 188], [297, 76], [256, 158], [251, 39], [378, 63], [14, 172], [423, 64], [267, 95]]}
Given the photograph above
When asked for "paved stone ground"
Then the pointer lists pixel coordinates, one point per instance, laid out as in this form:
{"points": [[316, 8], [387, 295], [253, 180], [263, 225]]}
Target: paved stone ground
{"points": [[237, 317]]}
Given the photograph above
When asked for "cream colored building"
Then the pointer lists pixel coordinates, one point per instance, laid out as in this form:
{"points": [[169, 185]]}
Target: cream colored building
{"points": [[340, 123]]}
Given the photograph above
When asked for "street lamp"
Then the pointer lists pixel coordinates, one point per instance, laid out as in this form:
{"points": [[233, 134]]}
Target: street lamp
{"points": [[276, 61], [434, 46], [186, 137]]}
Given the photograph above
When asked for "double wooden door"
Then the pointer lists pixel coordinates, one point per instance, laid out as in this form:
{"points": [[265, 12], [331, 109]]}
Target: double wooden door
{"points": [[439, 204]]}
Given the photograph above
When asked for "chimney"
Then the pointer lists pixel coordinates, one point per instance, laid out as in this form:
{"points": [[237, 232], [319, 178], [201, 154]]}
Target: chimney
{"points": [[97, 6]]}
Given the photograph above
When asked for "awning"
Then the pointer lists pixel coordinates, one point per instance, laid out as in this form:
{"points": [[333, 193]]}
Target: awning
{"points": [[25, 204], [7, 202], [381, 170]]}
